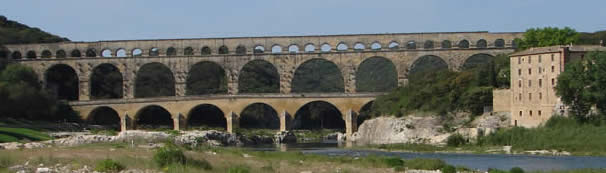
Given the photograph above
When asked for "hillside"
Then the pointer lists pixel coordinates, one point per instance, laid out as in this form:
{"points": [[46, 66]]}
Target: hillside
{"points": [[12, 32]]}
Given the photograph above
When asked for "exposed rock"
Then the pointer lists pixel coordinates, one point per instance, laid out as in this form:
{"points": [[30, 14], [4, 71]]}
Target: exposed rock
{"points": [[285, 137], [410, 129], [210, 137], [337, 136], [11, 146]]}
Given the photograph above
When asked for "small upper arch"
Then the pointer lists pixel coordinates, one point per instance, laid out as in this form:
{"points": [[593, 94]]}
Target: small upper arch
{"points": [[276, 48], [188, 51], [310, 47], [325, 47], [342, 46], [463, 44], [223, 50], [481, 43], [206, 50], [499, 43], [376, 46], [106, 53], [137, 52], [31, 54], [46, 54], [91, 52], [359, 46], [60, 54], [293, 48], [446, 44], [76, 53], [171, 51], [259, 49], [393, 45], [240, 50], [428, 44], [411, 44], [121, 52]]}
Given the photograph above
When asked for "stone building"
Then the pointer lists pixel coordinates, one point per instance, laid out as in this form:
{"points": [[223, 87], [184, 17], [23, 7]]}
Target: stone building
{"points": [[531, 99]]}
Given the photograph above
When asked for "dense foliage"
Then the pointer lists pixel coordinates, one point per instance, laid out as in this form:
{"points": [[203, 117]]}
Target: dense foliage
{"points": [[592, 38], [12, 32], [317, 76], [445, 91], [548, 36], [583, 85], [259, 76], [376, 74]]}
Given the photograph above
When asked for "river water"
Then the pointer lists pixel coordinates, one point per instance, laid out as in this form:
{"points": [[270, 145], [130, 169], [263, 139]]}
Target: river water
{"points": [[473, 161]]}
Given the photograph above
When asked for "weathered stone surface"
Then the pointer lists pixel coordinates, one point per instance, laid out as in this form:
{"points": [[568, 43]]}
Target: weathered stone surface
{"points": [[410, 129], [285, 137], [210, 137]]}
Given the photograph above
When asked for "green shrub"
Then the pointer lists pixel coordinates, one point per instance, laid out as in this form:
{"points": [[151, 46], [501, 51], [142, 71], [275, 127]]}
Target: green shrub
{"points": [[109, 165], [492, 170], [449, 169], [399, 168], [425, 164], [393, 161], [456, 140], [516, 170], [239, 169], [169, 155]]}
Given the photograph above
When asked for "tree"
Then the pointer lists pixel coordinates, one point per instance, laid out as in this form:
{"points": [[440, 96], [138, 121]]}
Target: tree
{"points": [[548, 36]]}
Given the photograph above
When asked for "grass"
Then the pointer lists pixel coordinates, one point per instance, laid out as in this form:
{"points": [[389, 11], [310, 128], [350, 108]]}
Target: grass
{"points": [[314, 135], [8, 134], [255, 132]]}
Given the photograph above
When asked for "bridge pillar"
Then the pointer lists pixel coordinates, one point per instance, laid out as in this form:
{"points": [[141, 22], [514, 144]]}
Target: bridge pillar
{"points": [[232, 122], [351, 124], [84, 90], [349, 77], [128, 90], [284, 120], [177, 120], [125, 122], [180, 89]]}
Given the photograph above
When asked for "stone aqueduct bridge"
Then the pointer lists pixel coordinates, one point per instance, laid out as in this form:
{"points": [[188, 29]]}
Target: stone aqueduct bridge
{"points": [[285, 53]]}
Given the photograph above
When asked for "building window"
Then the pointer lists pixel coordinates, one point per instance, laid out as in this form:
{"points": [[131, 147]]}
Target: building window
{"points": [[552, 82], [529, 71], [519, 72], [539, 113], [520, 113], [540, 70], [519, 60], [529, 96], [520, 96], [552, 68], [529, 83], [540, 83], [540, 56], [519, 83], [540, 96], [529, 59], [552, 57], [530, 113]]}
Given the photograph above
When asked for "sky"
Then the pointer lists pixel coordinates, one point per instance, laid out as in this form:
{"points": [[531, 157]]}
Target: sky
{"points": [[93, 20]]}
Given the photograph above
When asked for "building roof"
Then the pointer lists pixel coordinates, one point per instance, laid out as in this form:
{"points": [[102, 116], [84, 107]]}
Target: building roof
{"points": [[552, 49]]}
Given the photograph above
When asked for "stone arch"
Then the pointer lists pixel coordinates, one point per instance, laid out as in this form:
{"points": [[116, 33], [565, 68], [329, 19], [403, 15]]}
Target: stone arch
{"points": [[428, 44], [259, 49], [411, 44], [206, 77], [376, 46], [463, 44], [481, 44], [364, 113], [393, 45], [223, 50], [240, 50], [31, 54], [62, 82], [293, 48], [317, 75], [259, 115], [342, 46], [310, 47], [206, 116], [500, 43], [376, 74], [105, 116], [476, 60], [91, 52], [276, 48], [136, 52], [46, 54], [121, 52], [154, 51], [446, 44], [105, 82], [258, 76], [318, 114], [153, 116], [16, 55], [207, 51], [60, 54], [106, 53], [76, 53], [359, 46], [188, 51], [325, 47], [154, 80], [427, 63], [171, 51]]}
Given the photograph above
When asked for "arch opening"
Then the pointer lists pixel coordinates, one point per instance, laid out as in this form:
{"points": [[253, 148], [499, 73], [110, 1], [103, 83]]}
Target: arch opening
{"points": [[31, 55], [206, 50], [446, 44], [206, 116], [318, 115], [481, 43], [317, 76], [106, 82], [477, 60], [154, 80], [76, 53], [342, 47], [376, 74], [60, 54], [293, 48], [46, 54], [365, 113], [91, 52], [259, 76], [394, 45], [62, 82], [171, 51], [325, 47], [137, 52], [259, 116], [154, 51], [16, 55], [499, 43], [411, 45], [153, 117], [276, 49], [359, 47], [206, 78], [188, 51], [427, 63], [375, 46], [463, 44], [106, 117], [240, 50], [223, 50], [106, 53], [310, 48], [259, 49], [428, 44]]}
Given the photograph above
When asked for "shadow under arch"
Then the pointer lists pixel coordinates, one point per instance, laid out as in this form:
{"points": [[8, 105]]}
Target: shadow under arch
{"points": [[365, 113], [154, 80], [206, 77], [318, 115], [376, 74], [477, 60], [62, 82], [104, 116], [153, 117], [427, 63], [318, 76], [259, 76], [106, 82], [206, 116], [259, 116]]}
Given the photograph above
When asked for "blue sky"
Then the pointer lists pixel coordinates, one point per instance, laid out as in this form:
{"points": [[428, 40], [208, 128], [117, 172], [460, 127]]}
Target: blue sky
{"points": [[88, 20]]}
